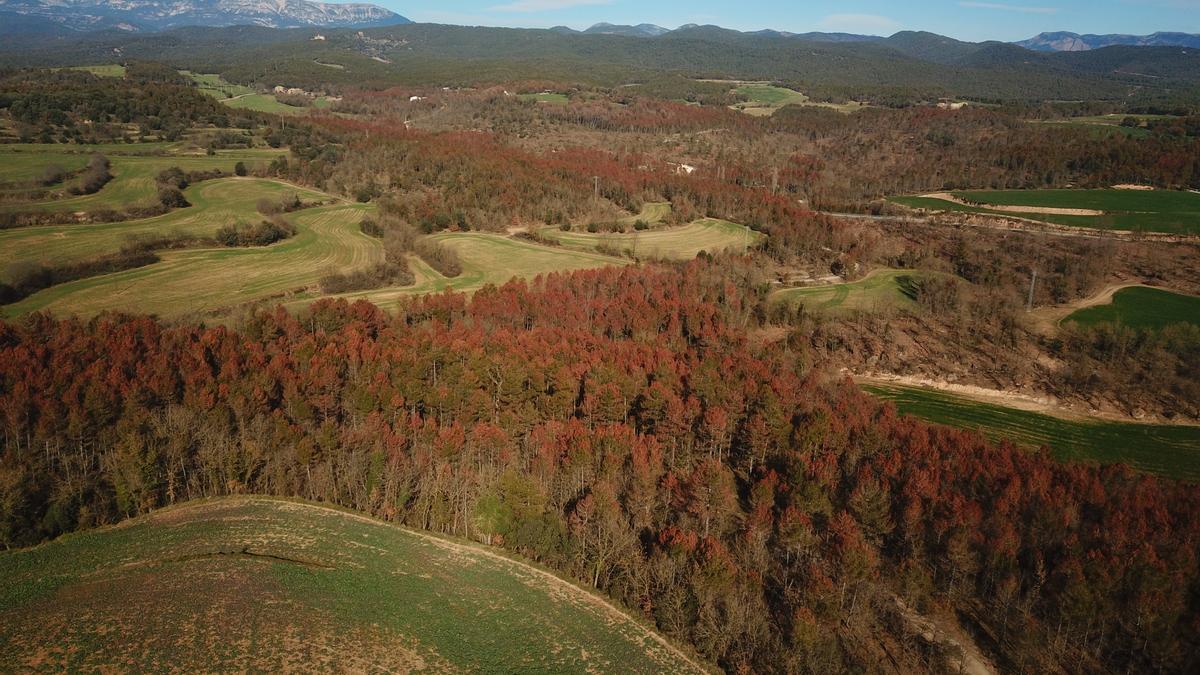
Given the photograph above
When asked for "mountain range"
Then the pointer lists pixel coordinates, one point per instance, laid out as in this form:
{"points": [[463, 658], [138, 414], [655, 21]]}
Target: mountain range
{"points": [[1044, 42], [51, 16], [1074, 42]]}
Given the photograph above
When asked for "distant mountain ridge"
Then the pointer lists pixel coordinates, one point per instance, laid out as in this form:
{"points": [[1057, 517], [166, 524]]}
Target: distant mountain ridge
{"points": [[155, 15], [1063, 41]]}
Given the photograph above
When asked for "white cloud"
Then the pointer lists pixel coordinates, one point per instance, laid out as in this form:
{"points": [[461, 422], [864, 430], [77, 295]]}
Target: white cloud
{"points": [[1010, 8], [544, 5], [859, 23]]}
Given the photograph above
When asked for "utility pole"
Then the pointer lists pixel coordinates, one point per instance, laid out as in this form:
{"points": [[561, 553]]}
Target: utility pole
{"points": [[596, 186], [1032, 283]]}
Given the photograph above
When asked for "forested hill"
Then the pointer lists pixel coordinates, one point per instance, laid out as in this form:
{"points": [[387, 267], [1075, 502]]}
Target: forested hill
{"points": [[903, 68]]}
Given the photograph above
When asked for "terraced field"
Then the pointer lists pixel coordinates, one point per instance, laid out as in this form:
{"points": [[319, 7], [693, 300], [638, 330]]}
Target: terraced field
{"points": [[1142, 307], [133, 175], [266, 585], [1168, 450], [215, 203], [1169, 211], [203, 280], [671, 243], [881, 290]]}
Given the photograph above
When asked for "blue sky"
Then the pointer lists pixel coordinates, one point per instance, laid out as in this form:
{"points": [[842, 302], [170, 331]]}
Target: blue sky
{"points": [[963, 19]]}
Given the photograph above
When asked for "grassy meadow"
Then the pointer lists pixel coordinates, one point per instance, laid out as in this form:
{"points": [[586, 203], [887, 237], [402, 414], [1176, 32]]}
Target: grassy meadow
{"points": [[881, 290], [1167, 450], [266, 585], [671, 243], [1142, 307]]}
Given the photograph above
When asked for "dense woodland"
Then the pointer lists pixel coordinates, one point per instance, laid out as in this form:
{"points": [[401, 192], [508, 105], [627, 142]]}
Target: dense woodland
{"points": [[618, 426]]}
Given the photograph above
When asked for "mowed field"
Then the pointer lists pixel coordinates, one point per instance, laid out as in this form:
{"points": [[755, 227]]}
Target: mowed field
{"points": [[669, 243], [133, 175], [1168, 450], [204, 280], [881, 290], [266, 585], [486, 259], [1169, 211], [1142, 307], [215, 203], [243, 97]]}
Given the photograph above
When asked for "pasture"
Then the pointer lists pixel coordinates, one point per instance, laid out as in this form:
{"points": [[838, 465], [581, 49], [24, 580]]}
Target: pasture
{"points": [[215, 203], [545, 97], [133, 174], [267, 585], [1168, 211], [486, 259], [328, 239], [1142, 307], [668, 243], [1167, 450], [881, 290], [103, 70], [243, 97]]}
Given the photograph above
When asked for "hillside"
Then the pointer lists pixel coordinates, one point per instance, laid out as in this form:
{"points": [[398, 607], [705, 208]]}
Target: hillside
{"points": [[302, 585], [907, 68]]}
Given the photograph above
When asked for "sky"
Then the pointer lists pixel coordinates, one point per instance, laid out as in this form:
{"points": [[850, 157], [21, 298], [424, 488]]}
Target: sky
{"points": [[973, 20]]}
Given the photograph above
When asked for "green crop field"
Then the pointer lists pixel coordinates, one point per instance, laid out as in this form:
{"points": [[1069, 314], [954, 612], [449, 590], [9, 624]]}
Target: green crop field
{"points": [[1168, 450], [673, 243], [1167, 211], [881, 290], [765, 99], [1142, 307], [133, 175], [267, 585]]}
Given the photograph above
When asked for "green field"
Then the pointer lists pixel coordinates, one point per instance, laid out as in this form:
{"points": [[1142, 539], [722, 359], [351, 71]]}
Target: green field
{"points": [[214, 203], [652, 213], [1142, 307], [243, 97], [669, 243], [881, 290], [765, 99], [133, 175], [266, 585], [328, 239], [486, 259], [1168, 450], [105, 70], [1169, 211], [545, 97]]}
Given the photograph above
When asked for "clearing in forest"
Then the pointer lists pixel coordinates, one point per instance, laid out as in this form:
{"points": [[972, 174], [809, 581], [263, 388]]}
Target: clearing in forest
{"points": [[1164, 449], [685, 242], [486, 259], [243, 97], [1168, 211], [881, 290], [260, 584], [1142, 307], [214, 204], [133, 175], [328, 240]]}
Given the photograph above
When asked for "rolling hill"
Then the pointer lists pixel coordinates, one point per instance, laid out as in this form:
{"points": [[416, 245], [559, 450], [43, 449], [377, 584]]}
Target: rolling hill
{"points": [[253, 583]]}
